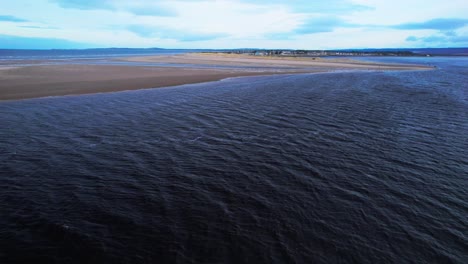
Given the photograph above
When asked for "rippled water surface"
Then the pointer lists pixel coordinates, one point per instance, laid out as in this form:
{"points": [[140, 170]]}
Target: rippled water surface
{"points": [[325, 168]]}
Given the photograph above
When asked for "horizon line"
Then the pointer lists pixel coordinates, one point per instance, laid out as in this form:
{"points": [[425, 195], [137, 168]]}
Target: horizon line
{"points": [[150, 48]]}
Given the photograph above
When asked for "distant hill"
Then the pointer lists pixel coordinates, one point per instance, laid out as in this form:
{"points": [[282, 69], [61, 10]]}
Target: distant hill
{"points": [[444, 51], [428, 51]]}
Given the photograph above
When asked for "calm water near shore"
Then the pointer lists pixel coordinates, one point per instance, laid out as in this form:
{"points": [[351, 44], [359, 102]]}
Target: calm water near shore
{"points": [[64, 54], [315, 168]]}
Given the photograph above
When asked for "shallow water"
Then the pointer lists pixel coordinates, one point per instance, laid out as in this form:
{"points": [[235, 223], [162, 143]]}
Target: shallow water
{"points": [[77, 54], [312, 168]]}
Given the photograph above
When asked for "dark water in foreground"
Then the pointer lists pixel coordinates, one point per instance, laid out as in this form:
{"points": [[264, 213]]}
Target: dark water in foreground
{"points": [[327, 168]]}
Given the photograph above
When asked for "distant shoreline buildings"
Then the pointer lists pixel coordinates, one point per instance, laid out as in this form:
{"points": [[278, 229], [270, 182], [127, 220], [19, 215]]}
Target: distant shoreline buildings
{"points": [[323, 53]]}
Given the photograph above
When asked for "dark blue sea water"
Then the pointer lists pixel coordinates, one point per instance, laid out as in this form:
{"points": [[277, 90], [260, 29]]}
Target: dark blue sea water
{"points": [[58, 54], [318, 168]]}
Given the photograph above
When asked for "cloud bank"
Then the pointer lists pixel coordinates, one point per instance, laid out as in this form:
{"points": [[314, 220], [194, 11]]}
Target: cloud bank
{"points": [[300, 24]]}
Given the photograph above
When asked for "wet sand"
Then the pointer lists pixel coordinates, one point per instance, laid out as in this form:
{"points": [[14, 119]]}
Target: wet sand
{"points": [[271, 62], [40, 80]]}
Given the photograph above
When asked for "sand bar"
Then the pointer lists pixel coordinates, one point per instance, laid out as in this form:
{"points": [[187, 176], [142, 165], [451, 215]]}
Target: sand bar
{"points": [[271, 62], [42, 79]]}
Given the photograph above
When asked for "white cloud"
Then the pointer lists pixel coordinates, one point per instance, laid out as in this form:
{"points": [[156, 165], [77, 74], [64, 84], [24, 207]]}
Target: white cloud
{"points": [[229, 23], [386, 12]]}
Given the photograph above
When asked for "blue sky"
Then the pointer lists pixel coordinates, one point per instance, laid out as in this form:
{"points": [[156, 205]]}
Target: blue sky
{"points": [[300, 24]]}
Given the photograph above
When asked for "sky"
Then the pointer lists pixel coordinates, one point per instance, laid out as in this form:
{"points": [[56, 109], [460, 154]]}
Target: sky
{"points": [[225, 24]]}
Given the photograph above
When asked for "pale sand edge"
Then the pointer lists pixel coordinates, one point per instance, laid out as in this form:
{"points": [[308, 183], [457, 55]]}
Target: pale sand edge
{"points": [[214, 59], [32, 82], [43, 81]]}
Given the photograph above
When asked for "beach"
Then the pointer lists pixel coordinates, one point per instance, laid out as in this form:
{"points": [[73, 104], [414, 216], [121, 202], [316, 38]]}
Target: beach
{"points": [[242, 60], [41, 78]]}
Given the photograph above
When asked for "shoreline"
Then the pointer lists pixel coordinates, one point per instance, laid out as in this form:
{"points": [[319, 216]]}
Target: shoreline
{"points": [[235, 60], [19, 82]]}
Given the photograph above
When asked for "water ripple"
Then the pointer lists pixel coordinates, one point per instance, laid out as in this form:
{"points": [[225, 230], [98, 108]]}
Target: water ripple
{"points": [[327, 168]]}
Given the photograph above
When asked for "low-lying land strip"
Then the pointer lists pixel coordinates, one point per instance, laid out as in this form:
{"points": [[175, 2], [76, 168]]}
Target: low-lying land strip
{"points": [[31, 79]]}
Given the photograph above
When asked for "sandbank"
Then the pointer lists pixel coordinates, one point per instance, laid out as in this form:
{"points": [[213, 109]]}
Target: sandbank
{"points": [[241, 60], [22, 80]]}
